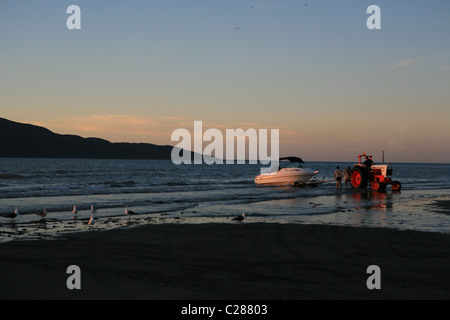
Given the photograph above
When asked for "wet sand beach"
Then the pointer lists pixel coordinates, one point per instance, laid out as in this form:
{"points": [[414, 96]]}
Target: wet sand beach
{"points": [[230, 261], [442, 206]]}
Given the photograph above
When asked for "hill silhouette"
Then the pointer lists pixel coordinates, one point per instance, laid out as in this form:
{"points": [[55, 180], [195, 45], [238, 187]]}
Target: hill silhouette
{"points": [[19, 140]]}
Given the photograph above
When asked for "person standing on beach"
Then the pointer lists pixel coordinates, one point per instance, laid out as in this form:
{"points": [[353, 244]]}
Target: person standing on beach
{"points": [[338, 178], [347, 174]]}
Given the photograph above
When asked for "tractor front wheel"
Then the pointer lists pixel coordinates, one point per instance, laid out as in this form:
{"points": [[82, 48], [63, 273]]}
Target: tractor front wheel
{"points": [[375, 185], [396, 186]]}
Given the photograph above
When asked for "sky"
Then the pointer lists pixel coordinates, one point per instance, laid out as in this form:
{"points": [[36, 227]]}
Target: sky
{"points": [[138, 70]]}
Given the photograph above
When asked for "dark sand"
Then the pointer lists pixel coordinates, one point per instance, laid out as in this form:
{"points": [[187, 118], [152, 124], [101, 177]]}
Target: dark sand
{"points": [[230, 261]]}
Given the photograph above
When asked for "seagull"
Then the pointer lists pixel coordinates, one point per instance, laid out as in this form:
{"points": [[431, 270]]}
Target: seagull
{"points": [[75, 210], [42, 214], [240, 218], [129, 212], [92, 220], [13, 215]]}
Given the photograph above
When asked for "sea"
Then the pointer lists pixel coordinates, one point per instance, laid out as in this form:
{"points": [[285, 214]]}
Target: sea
{"points": [[159, 192]]}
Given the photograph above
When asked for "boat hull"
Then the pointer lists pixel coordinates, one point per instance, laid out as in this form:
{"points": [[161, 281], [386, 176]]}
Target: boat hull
{"points": [[287, 176]]}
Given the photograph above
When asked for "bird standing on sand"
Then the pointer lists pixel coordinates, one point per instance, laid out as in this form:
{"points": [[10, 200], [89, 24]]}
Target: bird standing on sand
{"points": [[91, 220], [13, 215], [42, 214], [129, 212], [240, 218], [75, 210]]}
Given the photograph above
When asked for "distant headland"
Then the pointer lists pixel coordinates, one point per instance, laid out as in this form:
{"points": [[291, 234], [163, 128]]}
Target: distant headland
{"points": [[19, 140]]}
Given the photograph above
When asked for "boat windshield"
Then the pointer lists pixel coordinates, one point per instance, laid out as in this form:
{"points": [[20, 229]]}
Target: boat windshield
{"points": [[288, 164]]}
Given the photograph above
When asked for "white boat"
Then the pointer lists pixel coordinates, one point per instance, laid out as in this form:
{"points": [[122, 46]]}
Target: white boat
{"points": [[292, 171]]}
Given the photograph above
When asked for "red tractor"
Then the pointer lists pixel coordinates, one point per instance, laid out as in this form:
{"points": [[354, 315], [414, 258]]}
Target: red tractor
{"points": [[379, 176]]}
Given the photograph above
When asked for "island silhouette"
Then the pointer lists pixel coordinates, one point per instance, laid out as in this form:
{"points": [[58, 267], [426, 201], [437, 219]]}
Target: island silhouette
{"points": [[21, 140]]}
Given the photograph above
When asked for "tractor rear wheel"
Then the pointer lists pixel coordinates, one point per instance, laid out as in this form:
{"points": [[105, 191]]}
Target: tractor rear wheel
{"points": [[359, 178]]}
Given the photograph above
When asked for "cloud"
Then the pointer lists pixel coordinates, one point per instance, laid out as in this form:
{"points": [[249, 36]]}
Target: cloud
{"points": [[404, 63], [267, 5], [175, 118], [111, 123], [116, 127]]}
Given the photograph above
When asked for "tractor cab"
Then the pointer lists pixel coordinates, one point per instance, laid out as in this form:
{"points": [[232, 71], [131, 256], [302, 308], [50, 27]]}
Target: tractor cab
{"points": [[379, 176]]}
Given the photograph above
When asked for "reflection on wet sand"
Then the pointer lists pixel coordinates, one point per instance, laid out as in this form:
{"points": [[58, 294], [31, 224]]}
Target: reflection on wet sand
{"points": [[357, 208], [373, 200]]}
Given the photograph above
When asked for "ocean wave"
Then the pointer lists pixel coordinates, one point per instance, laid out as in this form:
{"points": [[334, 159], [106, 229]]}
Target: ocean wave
{"points": [[247, 181], [112, 184], [61, 171], [6, 176], [174, 184], [213, 183]]}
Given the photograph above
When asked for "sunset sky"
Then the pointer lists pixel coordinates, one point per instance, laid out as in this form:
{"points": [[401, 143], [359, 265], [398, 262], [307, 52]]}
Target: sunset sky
{"points": [[137, 70]]}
